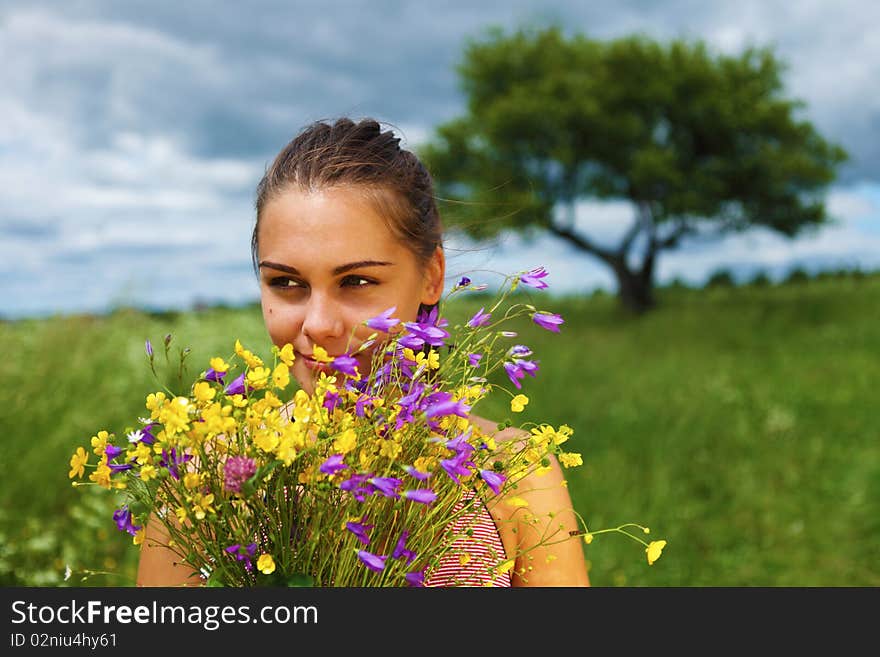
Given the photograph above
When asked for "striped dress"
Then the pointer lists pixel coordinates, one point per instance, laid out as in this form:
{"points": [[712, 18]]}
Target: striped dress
{"points": [[472, 560]]}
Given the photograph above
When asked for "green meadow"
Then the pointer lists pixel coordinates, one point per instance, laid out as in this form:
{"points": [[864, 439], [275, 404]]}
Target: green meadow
{"points": [[738, 423]]}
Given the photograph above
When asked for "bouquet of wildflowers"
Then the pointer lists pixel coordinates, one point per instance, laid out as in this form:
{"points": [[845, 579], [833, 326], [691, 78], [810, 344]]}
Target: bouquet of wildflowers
{"points": [[372, 480]]}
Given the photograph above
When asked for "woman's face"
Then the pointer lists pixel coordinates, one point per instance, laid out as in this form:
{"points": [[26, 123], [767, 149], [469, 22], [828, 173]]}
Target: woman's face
{"points": [[328, 262]]}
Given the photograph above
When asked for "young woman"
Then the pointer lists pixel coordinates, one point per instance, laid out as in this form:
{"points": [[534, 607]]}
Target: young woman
{"points": [[347, 227]]}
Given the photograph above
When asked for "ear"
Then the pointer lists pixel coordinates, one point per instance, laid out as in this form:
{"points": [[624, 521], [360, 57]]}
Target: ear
{"points": [[434, 277]]}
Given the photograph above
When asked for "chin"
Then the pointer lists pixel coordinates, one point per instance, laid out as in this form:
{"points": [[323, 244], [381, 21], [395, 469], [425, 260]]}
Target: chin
{"points": [[303, 377]]}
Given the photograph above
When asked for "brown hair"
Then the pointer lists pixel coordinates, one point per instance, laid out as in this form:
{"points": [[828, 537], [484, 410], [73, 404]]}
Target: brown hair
{"points": [[343, 153]]}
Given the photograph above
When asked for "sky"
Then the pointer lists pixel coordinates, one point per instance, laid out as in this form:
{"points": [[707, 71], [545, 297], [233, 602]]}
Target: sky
{"points": [[132, 135]]}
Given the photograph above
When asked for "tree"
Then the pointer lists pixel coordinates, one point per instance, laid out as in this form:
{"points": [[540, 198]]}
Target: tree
{"points": [[700, 144]]}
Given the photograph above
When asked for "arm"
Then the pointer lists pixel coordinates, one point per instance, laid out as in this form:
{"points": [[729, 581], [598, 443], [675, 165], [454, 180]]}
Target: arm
{"points": [[160, 565], [549, 514]]}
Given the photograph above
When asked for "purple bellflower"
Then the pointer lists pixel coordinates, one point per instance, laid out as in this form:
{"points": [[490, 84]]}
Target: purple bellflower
{"points": [[372, 561], [236, 387], [534, 278], [421, 495], [549, 321], [345, 364], [383, 321], [333, 465], [479, 319], [122, 517], [493, 479], [400, 550], [360, 529]]}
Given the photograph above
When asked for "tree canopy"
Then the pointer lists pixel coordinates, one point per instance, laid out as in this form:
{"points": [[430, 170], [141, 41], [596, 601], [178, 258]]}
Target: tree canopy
{"points": [[694, 140]]}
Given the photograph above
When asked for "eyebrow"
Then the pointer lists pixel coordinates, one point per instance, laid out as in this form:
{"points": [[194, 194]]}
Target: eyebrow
{"points": [[341, 269]]}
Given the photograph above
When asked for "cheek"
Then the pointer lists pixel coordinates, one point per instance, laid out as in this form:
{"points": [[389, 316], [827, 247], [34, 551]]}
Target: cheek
{"points": [[282, 323]]}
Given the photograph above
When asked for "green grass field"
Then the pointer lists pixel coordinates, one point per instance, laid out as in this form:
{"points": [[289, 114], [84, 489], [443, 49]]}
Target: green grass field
{"points": [[739, 423]]}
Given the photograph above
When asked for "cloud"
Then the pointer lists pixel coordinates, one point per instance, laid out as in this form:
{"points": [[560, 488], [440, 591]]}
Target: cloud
{"points": [[241, 81]]}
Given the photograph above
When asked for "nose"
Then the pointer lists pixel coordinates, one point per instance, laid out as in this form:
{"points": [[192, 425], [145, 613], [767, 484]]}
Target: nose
{"points": [[322, 321]]}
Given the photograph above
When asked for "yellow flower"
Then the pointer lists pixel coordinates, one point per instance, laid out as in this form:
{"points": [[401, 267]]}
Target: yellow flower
{"points": [[431, 361], [588, 538], [192, 480], [448, 422], [470, 393], [281, 376], [248, 357], [517, 501], [101, 475], [345, 442], [570, 459], [286, 450], [518, 403], [325, 384], [175, 415], [266, 564], [424, 463], [142, 454], [219, 365], [541, 436], [99, 442], [77, 463], [464, 558], [258, 377], [203, 391], [148, 472], [286, 354], [301, 410], [390, 449], [181, 513], [239, 401], [506, 566], [155, 402], [266, 440], [217, 419], [202, 504], [366, 459], [562, 434], [532, 455], [296, 432], [320, 354], [138, 538], [654, 549]]}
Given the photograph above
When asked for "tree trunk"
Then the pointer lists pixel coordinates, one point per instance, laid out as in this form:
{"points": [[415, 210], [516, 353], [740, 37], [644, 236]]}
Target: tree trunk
{"points": [[635, 289]]}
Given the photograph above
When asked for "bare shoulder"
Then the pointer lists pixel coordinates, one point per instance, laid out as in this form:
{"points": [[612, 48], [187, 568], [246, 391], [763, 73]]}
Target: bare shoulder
{"points": [[510, 438], [538, 529], [491, 429]]}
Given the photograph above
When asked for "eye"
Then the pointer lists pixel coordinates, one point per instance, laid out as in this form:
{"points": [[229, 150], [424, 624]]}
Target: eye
{"points": [[357, 281], [284, 282]]}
